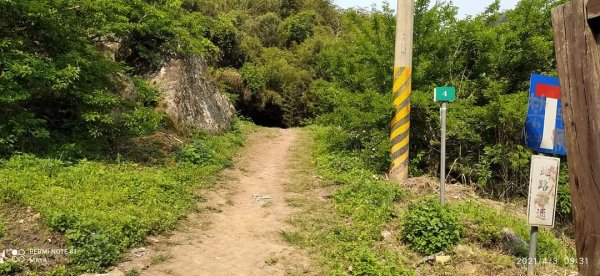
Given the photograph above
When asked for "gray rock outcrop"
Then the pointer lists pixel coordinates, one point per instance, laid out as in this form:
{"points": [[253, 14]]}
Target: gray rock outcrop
{"points": [[190, 99]]}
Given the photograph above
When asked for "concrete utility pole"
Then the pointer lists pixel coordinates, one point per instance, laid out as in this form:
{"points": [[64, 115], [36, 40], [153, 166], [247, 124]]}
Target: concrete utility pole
{"points": [[402, 90], [576, 28]]}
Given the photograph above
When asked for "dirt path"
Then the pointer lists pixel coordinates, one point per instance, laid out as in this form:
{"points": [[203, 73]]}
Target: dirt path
{"points": [[238, 233]]}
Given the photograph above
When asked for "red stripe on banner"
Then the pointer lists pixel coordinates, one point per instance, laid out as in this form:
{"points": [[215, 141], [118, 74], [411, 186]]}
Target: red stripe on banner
{"points": [[548, 91]]}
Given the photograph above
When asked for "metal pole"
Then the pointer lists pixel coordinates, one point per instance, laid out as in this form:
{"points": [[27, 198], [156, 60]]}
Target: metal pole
{"points": [[443, 112], [532, 251], [400, 124]]}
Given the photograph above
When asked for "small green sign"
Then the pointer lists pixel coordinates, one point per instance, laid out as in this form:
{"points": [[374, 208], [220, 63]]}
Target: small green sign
{"points": [[444, 94]]}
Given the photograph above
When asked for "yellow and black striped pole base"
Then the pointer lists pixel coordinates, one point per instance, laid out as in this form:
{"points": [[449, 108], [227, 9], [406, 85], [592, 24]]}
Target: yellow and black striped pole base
{"points": [[401, 124]]}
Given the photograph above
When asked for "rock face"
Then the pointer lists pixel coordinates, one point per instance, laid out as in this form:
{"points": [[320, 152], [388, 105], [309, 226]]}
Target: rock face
{"points": [[190, 100]]}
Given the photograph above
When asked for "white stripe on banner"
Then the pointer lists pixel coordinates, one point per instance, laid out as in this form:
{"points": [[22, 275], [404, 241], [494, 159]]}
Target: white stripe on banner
{"points": [[549, 124]]}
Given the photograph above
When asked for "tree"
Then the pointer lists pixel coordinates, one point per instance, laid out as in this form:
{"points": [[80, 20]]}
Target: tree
{"points": [[56, 85]]}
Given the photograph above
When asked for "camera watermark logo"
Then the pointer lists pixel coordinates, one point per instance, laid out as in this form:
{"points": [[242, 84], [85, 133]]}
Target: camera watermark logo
{"points": [[33, 255]]}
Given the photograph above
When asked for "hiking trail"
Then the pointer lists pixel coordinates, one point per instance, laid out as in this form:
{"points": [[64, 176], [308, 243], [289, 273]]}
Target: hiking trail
{"points": [[238, 231]]}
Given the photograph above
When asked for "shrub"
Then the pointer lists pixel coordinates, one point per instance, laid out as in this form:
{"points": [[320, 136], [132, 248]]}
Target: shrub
{"points": [[362, 121], [196, 153], [430, 228], [143, 121], [564, 205], [61, 221], [96, 249], [59, 83]]}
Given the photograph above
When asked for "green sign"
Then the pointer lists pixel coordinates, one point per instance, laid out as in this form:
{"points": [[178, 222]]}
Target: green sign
{"points": [[444, 94]]}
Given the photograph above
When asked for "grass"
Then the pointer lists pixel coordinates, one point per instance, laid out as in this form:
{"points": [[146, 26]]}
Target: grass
{"points": [[133, 272], [485, 226], [2, 226], [160, 258], [271, 261], [341, 233], [105, 208], [346, 208]]}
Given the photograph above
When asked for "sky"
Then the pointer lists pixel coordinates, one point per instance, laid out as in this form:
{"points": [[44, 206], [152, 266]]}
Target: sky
{"points": [[467, 7]]}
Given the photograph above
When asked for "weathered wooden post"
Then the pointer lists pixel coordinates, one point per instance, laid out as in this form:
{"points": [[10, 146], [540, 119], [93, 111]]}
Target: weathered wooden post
{"points": [[576, 28]]}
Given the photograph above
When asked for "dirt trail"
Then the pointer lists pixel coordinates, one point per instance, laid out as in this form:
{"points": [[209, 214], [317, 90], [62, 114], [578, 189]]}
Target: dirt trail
{"points": [[238, 234]]}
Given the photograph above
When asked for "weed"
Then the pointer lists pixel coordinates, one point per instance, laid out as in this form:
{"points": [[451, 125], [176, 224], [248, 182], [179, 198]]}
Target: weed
{"points": [[342, 232], [292, 237], [271, 261], [60, 271], [214, 209], [133, 272], [10, 268], [295, 202], [160, 258], [484, 226], [430, 228]]}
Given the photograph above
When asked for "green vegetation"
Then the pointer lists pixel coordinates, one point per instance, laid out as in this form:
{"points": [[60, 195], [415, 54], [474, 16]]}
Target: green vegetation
{"points": [[2, 226], [104, 209], [485, 225], [60, 85], [488, 57], [93, 162], [344, 232], [286, 63], [353, 232], [9, 268], [132, 272], [430, 228], [303, 62]]}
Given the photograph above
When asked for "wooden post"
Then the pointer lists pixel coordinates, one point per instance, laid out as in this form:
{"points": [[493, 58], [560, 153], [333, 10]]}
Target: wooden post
{"points": [[578, 58], [400, 133]]}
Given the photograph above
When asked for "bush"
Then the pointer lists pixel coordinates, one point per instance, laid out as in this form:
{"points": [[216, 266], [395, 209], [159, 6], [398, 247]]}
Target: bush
{"points": [[95, 249], [430, 228], [564, 206], [143, 121], [196, 153], [362, 121]]}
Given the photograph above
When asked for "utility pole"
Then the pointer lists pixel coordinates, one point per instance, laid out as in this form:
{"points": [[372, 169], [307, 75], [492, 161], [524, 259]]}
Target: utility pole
{"points": [[576, 34], [400, 133]]}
